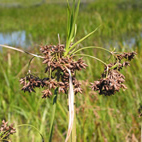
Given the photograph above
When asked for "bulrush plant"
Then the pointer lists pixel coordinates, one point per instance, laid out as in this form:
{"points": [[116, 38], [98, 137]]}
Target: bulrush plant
{"points": [[5, 131], [61, 63]]}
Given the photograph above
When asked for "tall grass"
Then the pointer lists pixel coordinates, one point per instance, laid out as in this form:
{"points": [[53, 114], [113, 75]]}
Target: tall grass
{"points": [[50, 20]]}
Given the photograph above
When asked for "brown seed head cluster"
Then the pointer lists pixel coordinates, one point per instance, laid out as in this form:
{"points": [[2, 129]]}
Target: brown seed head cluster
{"points": [[112, 80], [5, 131], [57, 65], [128, 56], [30, 82], [111, 84], [56, 68]]}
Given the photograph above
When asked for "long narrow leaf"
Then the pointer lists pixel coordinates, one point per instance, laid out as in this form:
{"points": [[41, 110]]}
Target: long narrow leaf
{"points": [[53, 114], [73, 17], [75, 31], [68, 19], [81, 40]]}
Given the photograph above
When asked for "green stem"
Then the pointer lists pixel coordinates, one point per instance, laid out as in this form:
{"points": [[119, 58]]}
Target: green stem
{"points": [[115, 66], [82, 39], [91, 57], [90, 47], [53, 114]]}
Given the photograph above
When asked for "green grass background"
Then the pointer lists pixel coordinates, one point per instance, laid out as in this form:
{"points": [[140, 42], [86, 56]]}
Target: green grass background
{"points": [[99, 118]]}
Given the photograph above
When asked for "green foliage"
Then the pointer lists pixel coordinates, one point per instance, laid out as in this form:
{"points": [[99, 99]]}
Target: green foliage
{"points": [[72, 14]]}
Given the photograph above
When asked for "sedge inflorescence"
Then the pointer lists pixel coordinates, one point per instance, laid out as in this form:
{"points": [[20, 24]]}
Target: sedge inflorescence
{"points": [[6, 130], [112, 80], [57, 66]]}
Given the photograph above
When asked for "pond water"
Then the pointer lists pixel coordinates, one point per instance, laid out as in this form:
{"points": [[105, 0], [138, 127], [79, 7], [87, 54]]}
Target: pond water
{"points": [[16, 38], [21, 39], [126, 42]]}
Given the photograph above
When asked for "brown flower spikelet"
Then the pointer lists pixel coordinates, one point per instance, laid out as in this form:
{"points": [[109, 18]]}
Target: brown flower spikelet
{"points": [[56, 67], [58, 76], [109, 85], [112, 80], [128, 56], [6, 130]]}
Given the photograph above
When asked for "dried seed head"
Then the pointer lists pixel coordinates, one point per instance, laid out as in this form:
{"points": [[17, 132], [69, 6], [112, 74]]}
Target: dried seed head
{"points": [[30, 82], [56, 67], [46, 93], [128, 56], [109, 85], [6, 130]]}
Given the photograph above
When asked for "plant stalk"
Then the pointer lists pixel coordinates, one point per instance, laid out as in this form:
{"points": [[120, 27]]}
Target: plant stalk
{"points": [[73, 135], [16, 49], [53, 114]]}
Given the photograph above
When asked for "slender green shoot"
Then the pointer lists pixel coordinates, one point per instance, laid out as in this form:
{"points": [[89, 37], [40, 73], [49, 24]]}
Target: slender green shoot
{"points": [[53, 114], [73, 46], [90, 47], [71, 23], [91, 57]]}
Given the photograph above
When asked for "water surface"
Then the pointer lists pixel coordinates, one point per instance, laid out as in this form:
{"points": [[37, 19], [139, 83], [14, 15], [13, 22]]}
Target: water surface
{"points": [[16, 38], [21, 39]]}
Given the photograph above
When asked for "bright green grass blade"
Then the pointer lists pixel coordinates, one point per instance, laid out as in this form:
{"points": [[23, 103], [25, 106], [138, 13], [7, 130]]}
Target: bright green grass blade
{"points": [[43, 119], [72, 25], [5, 76], [69, 14], [53, 114], [75, 19], [75, 31], [68, 19], [62, 110], [67, 51]]}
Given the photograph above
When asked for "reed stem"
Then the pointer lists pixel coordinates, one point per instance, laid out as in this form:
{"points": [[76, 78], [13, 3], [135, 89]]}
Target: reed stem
{"points": [[73, 135], [53, 114]]}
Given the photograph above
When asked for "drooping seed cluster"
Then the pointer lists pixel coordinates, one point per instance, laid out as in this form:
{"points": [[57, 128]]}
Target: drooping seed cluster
{"points": [[112, 80], [5, 131], [56, 68], [30, 82], [117, 66], [111, 84], [128, 56]]}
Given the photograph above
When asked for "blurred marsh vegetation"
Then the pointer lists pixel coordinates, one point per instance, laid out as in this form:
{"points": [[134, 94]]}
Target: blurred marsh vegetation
{"points": [[99, 118]]}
